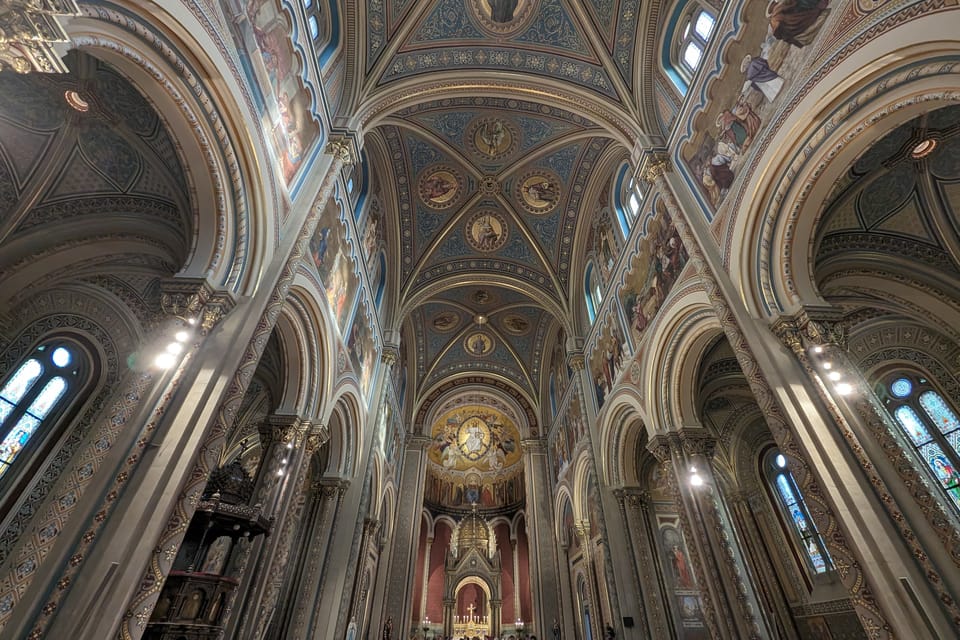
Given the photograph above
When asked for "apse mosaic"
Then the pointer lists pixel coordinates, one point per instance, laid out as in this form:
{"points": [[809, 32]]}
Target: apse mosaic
{"points": [[608, 357], [474, 437], [653, 270], [766, 54], [262, 31], [332, 257]]}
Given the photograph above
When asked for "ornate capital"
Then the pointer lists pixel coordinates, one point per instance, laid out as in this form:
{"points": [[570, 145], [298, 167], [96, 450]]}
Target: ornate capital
{"points": [[632, 497], [697, 442], [281, 429], [811, 327], [655, 165], [29, 29], [660, 446], [195, 302], [340, 149], [390, 354], [317, 436], [577, 362], [370, 527], [330, 487]]}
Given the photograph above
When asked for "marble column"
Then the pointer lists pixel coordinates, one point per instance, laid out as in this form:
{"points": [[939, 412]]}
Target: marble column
{"points": [[655, 170], [544, 577], [303, 591], [406, 534]]}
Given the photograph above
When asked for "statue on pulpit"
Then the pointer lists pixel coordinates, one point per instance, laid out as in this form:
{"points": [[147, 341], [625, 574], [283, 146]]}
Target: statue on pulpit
{"points": [[352, 629]]}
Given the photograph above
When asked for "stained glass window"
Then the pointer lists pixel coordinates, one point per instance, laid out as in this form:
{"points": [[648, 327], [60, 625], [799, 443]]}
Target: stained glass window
{"points": [[932, 426], [36, 391], [796, 514]]}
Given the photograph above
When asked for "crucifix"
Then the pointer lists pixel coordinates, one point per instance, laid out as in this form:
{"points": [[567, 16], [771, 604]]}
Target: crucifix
{"points": [[470, 609]]}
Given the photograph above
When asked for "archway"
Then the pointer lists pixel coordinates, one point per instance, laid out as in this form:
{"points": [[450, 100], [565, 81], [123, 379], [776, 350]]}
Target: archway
{"points": [[473, 615]]}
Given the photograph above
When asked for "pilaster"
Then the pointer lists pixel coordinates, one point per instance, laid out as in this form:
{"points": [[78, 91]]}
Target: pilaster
{"points": [[544, 574]]}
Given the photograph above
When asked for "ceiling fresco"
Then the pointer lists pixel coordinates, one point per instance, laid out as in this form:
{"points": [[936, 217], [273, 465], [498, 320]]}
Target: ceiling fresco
{"points": [[494, 192]]}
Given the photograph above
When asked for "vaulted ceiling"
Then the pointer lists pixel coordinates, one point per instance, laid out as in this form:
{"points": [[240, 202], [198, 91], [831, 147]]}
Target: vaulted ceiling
{"points": [[494, 190]]}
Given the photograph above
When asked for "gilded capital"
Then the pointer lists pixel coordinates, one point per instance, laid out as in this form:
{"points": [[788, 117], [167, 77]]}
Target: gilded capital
{"points": [[339, 148], [655, 165]]}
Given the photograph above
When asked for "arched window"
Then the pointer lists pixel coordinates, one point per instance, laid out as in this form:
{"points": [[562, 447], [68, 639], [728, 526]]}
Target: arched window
{"points": [[628, 198], [35, 395], [592, 292], [931, 425], [690, 29], [794, 511]]}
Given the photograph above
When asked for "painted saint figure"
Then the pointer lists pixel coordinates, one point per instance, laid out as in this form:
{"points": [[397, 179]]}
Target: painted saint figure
{"points": [[761, 77]]}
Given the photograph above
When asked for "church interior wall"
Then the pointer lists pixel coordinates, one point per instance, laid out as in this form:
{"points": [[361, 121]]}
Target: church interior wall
{"points": [[758, 309]]}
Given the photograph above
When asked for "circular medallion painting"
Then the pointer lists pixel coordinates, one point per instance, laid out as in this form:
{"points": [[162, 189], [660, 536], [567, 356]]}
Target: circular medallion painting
{"points": [[503, 17], [478, 344], [486, 231], [482, 296], [446, 321], [439, 187], [492, 138], [539, 192], [516, 324]]}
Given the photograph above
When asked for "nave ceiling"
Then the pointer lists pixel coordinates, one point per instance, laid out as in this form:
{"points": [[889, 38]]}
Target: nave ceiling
{"points": [[494, 190]]}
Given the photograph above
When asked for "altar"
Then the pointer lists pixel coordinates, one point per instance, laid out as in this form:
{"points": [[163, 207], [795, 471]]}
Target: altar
{"points": [[471, 625]]}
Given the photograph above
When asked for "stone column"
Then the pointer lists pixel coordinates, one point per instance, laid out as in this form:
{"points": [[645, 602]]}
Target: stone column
{"points": [[496, 607], [406, 534], [655, 169], [368, 552], [426, 578], [596, 618], [544, 577], [568, 607], [733, 589], [817, 339], [203, 456], [292, 466], [743, 507], [515, 549], [303, 592], [635, 510], [448, 613]]}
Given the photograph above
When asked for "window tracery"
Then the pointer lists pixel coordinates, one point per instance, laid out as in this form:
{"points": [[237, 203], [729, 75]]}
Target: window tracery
{"points": [[794, 510]]}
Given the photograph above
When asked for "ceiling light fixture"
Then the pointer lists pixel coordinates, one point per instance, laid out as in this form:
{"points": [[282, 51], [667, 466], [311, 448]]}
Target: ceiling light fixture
{"points": [[923, 148]]}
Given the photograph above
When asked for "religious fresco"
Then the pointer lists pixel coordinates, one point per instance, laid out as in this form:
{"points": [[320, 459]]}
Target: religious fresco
{"points": [[474, 489], [570, 429], [439, 187], [515, 324], [486, 231], [678, 571], [559, 373], [608, 357], [604, 243], [478, 344], [373, 237], [492, 138], [475, 437], [653, 270], [539, 192], [261, 30], [331, 254], [362, 348], [765, 55]]}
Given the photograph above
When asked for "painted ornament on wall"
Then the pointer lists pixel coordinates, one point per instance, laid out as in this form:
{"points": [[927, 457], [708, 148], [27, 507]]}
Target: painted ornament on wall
{"points": [[439, 187], [486, 231], [767, 51]]}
